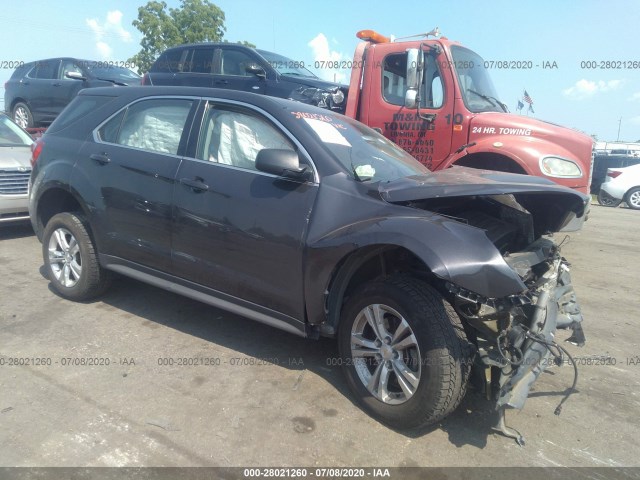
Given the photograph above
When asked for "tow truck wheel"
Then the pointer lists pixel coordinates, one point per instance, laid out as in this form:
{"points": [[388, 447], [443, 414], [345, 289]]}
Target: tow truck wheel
{"points": [[633, 198], [607, 200], [404, 352]]}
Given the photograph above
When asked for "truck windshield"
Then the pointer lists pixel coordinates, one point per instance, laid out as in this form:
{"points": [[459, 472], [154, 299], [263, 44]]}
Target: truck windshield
{"points": [[366, 154], [478, 92], [286, 66]]}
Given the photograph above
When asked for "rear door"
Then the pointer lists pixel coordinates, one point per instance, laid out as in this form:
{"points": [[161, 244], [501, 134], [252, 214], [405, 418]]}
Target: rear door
{"points": [[196, 67], [237, 230], [132, 162], [39, 89]]}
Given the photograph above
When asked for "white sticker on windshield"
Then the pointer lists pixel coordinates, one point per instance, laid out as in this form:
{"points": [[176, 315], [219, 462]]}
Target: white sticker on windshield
{"points": [[327, 132]]}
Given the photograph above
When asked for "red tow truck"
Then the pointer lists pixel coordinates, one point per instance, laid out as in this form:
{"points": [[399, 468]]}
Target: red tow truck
{"points": [[435, 99]]}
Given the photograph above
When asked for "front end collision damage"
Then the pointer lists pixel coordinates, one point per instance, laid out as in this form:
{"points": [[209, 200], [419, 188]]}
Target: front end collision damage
{"points": [[331, 98], [488, 247]]}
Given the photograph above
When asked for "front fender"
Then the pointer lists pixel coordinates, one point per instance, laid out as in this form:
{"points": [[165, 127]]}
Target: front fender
{"points": [[452, 251]]}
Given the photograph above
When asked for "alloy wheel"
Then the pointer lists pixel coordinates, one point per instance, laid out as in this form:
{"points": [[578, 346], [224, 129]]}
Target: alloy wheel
{"points": [[385, 354], [64, 257]]}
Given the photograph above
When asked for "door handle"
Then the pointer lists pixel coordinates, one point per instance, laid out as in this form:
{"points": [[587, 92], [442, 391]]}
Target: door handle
{"points": [[197, 184], [222, 82], [102, 159], [57, 84]]}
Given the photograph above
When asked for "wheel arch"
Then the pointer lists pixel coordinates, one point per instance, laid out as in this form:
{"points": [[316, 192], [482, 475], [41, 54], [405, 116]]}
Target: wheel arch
{"points": [[492, 161], [366, 264], [53, 201]]}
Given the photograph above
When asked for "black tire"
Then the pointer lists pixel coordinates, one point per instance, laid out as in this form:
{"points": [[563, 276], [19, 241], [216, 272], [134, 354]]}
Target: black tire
{"points": [[77, 275], [607, 200], [632, 198], [22, 115], [443, 352]]}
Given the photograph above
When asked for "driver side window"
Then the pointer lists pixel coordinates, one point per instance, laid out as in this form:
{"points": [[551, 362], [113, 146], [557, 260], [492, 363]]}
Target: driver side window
{"points": [[394, 85], [233, 137]]}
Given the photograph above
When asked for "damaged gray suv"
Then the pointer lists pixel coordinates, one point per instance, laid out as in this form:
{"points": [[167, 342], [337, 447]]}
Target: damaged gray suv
{"points": [[312, 222]]}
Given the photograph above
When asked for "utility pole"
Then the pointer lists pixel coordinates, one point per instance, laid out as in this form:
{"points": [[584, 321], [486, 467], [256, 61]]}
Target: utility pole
{"points": [[619, 124]]}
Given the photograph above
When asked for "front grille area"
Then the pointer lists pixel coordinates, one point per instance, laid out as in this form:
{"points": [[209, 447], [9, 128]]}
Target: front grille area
{"points": [[14, 181]]}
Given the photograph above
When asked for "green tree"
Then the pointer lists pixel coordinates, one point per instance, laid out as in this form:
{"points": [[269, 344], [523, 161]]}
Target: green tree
{"points": [[162, 28]]}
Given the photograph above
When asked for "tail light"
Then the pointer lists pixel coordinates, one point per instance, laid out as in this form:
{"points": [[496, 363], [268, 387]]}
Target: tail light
{"points": [[36, 150], [614, 173]]}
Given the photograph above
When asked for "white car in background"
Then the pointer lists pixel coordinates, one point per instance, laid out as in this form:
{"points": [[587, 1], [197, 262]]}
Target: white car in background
{"points": [[15, 169], [621, 184]]}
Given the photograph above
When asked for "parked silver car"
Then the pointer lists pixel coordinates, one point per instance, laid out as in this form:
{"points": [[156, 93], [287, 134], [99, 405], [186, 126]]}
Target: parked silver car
{"points": [[15, 169]]}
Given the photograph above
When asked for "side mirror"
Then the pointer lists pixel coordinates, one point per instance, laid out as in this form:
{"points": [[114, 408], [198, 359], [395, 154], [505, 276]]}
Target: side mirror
{"points": [[255, 69], [74, 76], [283, 163], [414, 73]]}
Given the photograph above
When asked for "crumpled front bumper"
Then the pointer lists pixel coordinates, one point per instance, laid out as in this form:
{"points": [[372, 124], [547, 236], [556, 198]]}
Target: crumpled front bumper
{"points": [[516, 335]]}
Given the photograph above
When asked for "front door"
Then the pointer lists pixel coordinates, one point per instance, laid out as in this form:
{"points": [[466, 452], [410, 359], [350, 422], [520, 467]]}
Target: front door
{"points": [[237, 230], [427, 141]]}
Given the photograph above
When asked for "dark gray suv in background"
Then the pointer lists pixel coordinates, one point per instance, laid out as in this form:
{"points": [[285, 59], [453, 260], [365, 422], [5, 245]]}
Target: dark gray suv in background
{"points": [[311, 222], [236, 67], [38, 91]]}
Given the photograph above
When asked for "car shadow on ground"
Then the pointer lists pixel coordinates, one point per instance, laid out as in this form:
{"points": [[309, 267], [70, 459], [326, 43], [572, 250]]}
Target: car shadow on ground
{"points": [[12, 231], [470, 424]]}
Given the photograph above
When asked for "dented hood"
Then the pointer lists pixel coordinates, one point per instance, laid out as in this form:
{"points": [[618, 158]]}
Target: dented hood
{"points": [[553, 206]]}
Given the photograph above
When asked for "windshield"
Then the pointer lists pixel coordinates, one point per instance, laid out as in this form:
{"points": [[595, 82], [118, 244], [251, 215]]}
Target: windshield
{"points": [[363, 152], [11, 134], [119, 74], [477, 89], [286, 66]]}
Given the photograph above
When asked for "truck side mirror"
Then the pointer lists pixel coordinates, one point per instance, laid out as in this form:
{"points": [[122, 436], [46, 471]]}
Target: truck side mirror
{"points": [[415, 61]]}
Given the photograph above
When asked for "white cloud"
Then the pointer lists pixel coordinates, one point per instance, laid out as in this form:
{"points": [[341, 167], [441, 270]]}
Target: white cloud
{"points": [[323, 53], [111, 27], [635, 120], [104, 50], [635, 97], [587, 88]]}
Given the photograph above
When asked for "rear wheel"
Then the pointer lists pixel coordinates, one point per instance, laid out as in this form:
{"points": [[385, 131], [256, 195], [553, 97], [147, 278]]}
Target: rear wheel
{"points": [[404, 352], [607, 200], [71, 259], [633, 198], [22, 115]]}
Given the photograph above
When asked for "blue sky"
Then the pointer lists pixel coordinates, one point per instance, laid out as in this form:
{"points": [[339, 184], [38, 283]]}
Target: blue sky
{"points": [[567, 33]]}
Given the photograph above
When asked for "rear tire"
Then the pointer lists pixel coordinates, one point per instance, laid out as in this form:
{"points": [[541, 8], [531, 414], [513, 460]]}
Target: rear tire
{"points": [[607, 200], [404, 352], [633, 198], [71, 259], [22, 115]]}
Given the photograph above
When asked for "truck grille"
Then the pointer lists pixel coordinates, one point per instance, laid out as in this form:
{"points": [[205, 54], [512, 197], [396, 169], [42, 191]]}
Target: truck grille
{"points": [[14, 181]]}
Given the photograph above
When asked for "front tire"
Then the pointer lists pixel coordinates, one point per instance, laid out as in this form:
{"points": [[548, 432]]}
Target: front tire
{"points": [[633, 198], [22, 115], [404, 352], [71, 259], [607, 200]]}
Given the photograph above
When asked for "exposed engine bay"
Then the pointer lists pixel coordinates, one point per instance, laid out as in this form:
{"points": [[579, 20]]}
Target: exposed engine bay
{"points": [[515, 335]]}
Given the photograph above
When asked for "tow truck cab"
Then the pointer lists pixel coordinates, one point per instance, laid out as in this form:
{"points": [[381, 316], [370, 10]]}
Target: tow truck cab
{"points": [[435, 99]]}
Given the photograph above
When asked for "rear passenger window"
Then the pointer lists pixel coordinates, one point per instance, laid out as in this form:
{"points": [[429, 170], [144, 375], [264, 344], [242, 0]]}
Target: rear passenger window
{"points": [[155, 125], [234, 138], [45, 70], [170, 61], [200, 61]]}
